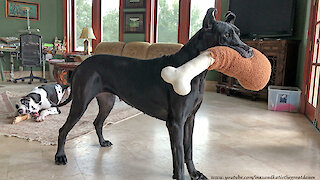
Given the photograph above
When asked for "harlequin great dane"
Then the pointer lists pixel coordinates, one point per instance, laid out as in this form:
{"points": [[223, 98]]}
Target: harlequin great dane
{"points": [[140, 85], [43, 100]]}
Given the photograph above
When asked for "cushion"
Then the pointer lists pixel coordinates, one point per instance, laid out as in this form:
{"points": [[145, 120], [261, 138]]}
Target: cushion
{"points": [[136, 49], [81, 58], [160, 49], [113, 48]]}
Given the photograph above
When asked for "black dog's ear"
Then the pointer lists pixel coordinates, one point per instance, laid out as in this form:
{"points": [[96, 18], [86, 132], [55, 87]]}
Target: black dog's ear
{"points": [[36, 97], [230, 17], [17, 106], [209, 19]]}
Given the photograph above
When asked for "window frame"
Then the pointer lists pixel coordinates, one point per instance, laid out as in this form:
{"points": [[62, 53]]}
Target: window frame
{"points": [[151, 21], [69, 23], [73, 26], [184, 19]]}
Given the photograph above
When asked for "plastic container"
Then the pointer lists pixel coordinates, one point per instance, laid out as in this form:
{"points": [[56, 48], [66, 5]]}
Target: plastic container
{"points": [[281, 98]]}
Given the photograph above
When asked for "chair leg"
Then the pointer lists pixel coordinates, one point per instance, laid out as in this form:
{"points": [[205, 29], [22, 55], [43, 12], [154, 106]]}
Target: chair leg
{"points": [[31, 77]]}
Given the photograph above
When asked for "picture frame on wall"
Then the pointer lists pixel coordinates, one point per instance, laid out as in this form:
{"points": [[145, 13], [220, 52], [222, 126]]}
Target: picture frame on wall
{"points": [[134, 22], [15, 9], [134, 3]]}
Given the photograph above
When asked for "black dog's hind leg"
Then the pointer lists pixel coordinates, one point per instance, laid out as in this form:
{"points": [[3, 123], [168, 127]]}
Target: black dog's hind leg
{"points": [[176, 139], [187, 143], [106, 102], [78, 107]]}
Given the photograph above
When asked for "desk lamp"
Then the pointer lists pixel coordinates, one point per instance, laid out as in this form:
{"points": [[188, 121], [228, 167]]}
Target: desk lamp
{"points": [[87, 34], [27, 9]]}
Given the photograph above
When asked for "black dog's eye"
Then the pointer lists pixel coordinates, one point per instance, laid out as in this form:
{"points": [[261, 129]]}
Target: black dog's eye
{"points": [[227, 35]]}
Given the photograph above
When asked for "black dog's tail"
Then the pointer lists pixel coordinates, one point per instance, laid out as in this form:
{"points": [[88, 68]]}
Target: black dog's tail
{"points": [[66, 101], [65, 88]]}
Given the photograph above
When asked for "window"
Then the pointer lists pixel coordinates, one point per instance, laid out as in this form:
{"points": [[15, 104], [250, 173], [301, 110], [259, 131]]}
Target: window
{"points": [[82, 18], [198, 11], [167, 25], [168, 20], [110, 20]]}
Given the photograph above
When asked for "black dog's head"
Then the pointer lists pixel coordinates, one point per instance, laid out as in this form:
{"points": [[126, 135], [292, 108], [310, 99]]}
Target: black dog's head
{"points": [[218, 33]]}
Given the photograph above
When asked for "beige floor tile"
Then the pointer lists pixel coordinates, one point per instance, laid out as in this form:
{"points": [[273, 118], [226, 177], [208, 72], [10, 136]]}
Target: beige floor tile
{"points": [[232, 136]]}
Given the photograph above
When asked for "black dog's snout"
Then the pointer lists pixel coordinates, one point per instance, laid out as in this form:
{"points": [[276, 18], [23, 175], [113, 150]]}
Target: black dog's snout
{"points": [[247, 48], [20, 111], [250, 51]]}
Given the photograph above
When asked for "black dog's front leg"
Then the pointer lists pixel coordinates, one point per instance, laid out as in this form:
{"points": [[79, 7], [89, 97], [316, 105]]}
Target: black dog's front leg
{"points": [[176, 139], [187, 143]]}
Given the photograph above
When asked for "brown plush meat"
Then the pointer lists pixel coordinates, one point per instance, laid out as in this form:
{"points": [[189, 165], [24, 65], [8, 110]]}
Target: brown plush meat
{"points": [[252, 73]]}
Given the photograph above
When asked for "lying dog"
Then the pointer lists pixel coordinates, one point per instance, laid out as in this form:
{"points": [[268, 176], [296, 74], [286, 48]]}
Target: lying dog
{"points": [[43, 101], [140, 85]]}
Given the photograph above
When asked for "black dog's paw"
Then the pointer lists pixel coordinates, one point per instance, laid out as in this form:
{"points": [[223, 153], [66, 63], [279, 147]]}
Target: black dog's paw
{"points": [[105, 144], [198, 175], [174, 176], [61, 160]]}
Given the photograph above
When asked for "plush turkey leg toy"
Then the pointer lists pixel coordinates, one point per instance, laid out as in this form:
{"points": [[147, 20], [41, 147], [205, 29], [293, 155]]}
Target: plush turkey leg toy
{"points": [[252, 73]]}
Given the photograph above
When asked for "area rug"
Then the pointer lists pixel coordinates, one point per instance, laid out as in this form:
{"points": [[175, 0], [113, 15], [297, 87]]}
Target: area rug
{"points": [[5, 104], [46, 132]]}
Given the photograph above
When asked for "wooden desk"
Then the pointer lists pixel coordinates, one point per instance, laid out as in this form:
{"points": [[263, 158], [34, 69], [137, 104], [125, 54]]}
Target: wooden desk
{"points": [[62, 69]]}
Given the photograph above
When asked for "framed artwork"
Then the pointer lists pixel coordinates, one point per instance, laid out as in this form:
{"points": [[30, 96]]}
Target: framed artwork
{"points": [[134, 3], [17, 9], [134, 22]]}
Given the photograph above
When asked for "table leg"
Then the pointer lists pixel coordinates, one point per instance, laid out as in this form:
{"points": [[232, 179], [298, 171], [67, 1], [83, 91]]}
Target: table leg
{"points": [[59, 75], [44, 67], [55, 74], [2, 72], [12, 67]]}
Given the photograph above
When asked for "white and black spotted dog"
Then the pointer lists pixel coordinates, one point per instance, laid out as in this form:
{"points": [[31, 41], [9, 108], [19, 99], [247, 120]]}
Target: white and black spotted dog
{"points": [[43, 101]]}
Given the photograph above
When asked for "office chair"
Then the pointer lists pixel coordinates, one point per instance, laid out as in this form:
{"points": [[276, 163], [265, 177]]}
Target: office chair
{"points": [[31, 55]]}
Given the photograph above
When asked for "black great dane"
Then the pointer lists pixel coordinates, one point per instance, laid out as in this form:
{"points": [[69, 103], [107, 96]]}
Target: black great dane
{"points": [[140, 85]]}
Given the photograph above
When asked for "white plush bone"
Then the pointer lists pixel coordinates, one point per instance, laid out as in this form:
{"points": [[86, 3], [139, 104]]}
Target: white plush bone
{"points": [[181, 77]]}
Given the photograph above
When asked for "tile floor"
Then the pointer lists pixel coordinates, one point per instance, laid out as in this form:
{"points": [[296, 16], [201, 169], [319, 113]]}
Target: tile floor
{"points": [[232, 137]]}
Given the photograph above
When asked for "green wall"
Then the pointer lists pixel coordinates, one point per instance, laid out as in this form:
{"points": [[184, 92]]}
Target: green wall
{"points": [[301, 32], [50, 24], [130, 37]]}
